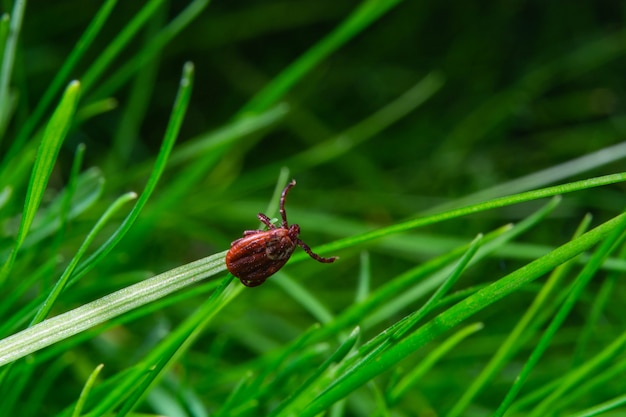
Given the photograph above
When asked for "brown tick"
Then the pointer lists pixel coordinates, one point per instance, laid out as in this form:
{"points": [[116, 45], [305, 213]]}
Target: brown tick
{"points": [[260, 253]]}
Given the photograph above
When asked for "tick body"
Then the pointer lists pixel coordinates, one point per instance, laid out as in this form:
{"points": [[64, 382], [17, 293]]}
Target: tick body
{"points": [[260, 253]]}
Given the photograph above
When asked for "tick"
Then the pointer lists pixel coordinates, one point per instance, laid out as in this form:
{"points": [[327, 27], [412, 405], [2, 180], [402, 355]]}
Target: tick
{"points": [[260, 253]]}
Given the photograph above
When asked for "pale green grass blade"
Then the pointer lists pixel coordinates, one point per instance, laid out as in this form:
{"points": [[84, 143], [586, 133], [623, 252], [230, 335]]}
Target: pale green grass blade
{"points": [[202, 290], [463, 310], [53, 137], [364, 15], [91, 314]]}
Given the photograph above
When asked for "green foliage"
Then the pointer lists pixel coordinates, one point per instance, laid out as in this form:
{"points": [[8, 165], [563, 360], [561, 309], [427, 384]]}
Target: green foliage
{"points": [[425, 139]]}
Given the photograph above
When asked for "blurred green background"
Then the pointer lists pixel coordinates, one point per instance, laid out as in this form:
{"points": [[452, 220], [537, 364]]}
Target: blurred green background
{"points": [[517, 87]]}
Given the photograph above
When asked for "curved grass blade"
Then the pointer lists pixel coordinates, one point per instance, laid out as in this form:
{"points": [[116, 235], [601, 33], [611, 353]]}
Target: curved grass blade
{"points": [[53, 137]]}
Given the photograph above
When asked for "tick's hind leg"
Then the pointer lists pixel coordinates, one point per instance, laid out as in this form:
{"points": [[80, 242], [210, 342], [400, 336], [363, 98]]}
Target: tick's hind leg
{"points": [[314, 255], [266, 220]]}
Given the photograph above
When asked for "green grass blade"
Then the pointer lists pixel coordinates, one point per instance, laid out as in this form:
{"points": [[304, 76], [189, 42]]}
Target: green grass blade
{"points": [[411, 378], [61, 77], [85, 392], [463, 310], [123, 39], [114, 81], [415, 317], [424, 278], [8, 59], [5, 27], [601, 409], [513, 342], [304, 297], [305, 392], [583, 278], [53, 137], [579, 375], [463, 211]]}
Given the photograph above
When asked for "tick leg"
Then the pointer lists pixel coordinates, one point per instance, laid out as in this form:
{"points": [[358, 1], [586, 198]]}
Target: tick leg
{"points": [[314, 255], [252, 283], [266, 221], [283, 196]]}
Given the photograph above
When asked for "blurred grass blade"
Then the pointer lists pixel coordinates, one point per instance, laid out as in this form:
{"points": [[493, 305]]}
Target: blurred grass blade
{"points": [[123, 39], [365, 14], [114, 81], [61, 77], [86, 389], [307, 391], [8, 59], [5, 27], [412, 377], [344, 142], [542, 178], [51, 142], [304, 297]]}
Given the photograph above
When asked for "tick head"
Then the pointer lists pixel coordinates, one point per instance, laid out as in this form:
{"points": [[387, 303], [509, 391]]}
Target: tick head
{"points": [[294, 231]]}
